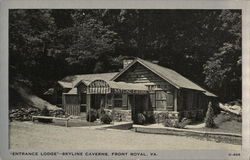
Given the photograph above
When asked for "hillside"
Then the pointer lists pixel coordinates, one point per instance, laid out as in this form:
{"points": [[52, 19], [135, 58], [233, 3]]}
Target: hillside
{"points": [[21, 97]]}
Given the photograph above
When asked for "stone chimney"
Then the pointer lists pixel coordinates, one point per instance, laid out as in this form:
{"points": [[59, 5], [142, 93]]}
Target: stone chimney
{"points": [[126, 62]]}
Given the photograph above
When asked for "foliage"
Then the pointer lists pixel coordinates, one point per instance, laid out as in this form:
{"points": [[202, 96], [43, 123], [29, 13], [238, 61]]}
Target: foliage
{"points": [[223, 68], [45, 112], [209, 120], [150, 119], [91, 115], [141, 119], [46, 45], [100, 112], [176, 123], [106, 119]]}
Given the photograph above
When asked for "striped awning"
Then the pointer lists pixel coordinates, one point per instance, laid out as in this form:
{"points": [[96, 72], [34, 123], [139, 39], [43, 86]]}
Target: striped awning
{"points": [[105, 87]]}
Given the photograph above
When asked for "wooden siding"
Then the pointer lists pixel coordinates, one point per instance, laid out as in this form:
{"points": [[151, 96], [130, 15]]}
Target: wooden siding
{"points": [[190, 100], [140, 74], [71, 104], [72, 109]]}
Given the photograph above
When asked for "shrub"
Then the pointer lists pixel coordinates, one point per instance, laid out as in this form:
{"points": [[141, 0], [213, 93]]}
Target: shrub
{"points": [[106, 119], [175, 123], [150, 119], [101, 112], [170, 123], [183, 123], [91, 116], [141, 119], [45, 112], [209, 120]]}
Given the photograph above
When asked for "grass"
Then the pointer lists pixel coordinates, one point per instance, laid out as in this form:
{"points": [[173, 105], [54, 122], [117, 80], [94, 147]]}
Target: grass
{"points": [[225, 123]]}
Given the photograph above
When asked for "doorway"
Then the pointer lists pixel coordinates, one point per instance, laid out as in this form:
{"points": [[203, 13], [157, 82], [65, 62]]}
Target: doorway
{"points": [[138, 105], [97, 101]]}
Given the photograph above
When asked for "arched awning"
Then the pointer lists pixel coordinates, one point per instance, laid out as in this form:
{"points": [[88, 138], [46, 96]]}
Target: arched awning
{"points": [[104, 87]]}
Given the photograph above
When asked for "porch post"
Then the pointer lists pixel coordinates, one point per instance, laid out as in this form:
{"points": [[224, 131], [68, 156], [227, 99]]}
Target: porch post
{"points": [[113, 111], [134, 109], [175, 99], [88, 102]]}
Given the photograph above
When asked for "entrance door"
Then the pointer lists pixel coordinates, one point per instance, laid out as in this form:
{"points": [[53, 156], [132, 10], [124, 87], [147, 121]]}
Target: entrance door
{"points": [[138, 105]]}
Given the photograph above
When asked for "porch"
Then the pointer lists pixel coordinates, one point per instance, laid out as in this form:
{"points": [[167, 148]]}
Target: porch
{"points": [[122, 100]]}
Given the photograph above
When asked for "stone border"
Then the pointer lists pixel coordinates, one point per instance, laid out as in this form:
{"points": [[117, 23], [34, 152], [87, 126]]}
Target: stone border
{"points": [[217, 136]]}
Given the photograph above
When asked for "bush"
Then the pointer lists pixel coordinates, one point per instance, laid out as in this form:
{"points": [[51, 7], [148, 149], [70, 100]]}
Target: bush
{"points": [[106, 119], [183, 123], [150, 119], [101, 112], [175, 123], [170, 123], [141, 119], [92, 115], [45, 112], [209, 120]]}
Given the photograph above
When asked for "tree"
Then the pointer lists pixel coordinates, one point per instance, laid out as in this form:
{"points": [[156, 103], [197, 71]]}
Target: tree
{"points": [[223, 69], [46, 45], [209, 120]]}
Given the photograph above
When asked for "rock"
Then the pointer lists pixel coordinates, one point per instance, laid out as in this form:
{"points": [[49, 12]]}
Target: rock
{"points": [[235, 109]]}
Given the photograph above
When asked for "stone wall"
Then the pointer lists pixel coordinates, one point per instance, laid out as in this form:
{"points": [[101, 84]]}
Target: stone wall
{"points": [[120, 115], [160, 116], [157, 116]]}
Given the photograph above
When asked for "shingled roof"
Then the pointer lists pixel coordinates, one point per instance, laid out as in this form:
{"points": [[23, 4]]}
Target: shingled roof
{"points": [[74, 79], [167, 74]]}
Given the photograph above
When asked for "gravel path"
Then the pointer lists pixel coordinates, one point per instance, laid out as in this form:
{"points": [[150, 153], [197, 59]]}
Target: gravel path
{"points": [[36, 136]]}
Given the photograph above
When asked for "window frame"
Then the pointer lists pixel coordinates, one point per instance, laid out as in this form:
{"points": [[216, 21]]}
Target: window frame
{"points": [[167, 107]]}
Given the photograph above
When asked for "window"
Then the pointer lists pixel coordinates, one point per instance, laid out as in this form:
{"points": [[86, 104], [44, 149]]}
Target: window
{"points": [[164, 100]]}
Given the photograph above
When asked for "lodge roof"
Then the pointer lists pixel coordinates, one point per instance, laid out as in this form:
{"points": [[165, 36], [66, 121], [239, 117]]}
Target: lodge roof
{"points": [[87, 78], [125, 85], [209, 94], [167, 74]]}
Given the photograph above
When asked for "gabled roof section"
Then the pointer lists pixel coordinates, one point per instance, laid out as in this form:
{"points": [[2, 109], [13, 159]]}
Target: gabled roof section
{"points": [[167, 74], [87, 78]]}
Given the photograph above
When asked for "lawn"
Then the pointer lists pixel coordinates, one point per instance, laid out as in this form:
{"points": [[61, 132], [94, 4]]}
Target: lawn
{"points": [[225, 123]]}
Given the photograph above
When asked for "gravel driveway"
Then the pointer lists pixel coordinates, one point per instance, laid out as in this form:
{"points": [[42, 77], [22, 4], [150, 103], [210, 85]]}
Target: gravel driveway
{"points": [[36, 136]]}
